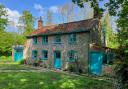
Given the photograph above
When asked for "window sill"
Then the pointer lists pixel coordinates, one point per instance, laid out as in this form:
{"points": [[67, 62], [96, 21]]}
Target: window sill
{"points": [[44, 58], [57, 43], [72, 43], [35, 43], [44, 43]]}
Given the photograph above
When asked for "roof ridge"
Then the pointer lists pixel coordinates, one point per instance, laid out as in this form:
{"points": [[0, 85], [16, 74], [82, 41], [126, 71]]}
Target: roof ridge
{"points": [[70, 22]]}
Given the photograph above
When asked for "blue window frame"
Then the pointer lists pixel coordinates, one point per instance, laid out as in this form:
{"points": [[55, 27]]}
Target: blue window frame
{"points": [[57, 39], [72, 38], [35, 40], [34, 54], [45, 40], [72, 56], [44, 54]]}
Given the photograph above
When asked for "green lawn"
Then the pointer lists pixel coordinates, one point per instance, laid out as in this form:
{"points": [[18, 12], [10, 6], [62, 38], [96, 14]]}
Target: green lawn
{"points": [[14, 67], [48, 80]]}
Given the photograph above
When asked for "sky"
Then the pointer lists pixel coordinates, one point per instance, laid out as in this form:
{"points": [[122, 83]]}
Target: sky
{"points": [[36, 7]]}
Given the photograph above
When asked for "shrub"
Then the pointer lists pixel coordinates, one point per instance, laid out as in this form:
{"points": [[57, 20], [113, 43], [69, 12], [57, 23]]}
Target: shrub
{"points": [[22, 61]]}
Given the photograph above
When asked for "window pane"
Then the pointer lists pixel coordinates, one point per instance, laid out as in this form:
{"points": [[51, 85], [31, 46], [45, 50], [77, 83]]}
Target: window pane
{"points": [[57, 39], [45, 54], [35, 40], [45, 39], [58, 54], [72, 38], [34, 54], [71, 55]]}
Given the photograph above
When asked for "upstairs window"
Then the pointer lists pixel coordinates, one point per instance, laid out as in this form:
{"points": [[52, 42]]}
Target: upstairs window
{"points": [[45, 40], [72, 56], [35, 40], [72, 38], [57, 39], [45, 54], [34, 54]]}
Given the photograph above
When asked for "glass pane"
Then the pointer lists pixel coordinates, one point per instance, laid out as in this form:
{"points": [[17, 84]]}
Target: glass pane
{"points": [[58, 55], [45, 39], [35, 40], [45, 54], [57, 39], [72, 38]]}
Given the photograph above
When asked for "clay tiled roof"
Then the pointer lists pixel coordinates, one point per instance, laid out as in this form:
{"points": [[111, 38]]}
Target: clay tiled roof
{"points": [[78, 26]]}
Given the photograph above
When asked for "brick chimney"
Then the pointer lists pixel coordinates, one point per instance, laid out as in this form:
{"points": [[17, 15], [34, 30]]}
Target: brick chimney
{"points": [[40, 23]]}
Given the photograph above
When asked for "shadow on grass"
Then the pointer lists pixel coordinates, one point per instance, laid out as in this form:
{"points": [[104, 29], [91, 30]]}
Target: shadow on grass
{"points": [[49, 80]]}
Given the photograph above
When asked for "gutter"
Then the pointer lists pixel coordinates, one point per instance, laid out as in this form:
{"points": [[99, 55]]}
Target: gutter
{"points": [[58, 33]]}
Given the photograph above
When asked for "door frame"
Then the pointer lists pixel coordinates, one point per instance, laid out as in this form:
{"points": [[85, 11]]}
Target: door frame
{"points": [[55, 58], [95, 51], [18, 52]]}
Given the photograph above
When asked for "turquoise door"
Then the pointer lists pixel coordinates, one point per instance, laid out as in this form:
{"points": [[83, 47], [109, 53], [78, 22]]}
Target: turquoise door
{"points": [[57, 59], [18, 55], [96, 59]]}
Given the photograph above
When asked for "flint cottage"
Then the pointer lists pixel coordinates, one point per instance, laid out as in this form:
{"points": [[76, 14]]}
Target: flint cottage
{"points": [[59, 46]]}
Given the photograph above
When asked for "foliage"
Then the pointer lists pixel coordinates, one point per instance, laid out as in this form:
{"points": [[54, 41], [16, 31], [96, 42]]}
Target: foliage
{"points": [[2, 58], [98, 12], [117, 8], [28, 20], [122, 65], [110, 35], [7, 40], [22, 61], [3, 19]]}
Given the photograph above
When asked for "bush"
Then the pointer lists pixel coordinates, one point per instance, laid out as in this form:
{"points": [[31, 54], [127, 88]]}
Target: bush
{"points": [[71, 68], [22, 61], [6, 58]]}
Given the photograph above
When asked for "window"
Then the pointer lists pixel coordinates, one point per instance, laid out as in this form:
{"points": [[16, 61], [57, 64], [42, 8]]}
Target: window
{"points": [[72, 38], [35, 40], [34, 54], [72, 56], [108, 58], [58, 54], [57, 39], [45, 54], [45, 40]]}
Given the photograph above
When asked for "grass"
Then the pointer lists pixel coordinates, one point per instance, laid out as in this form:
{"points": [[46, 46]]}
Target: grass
{"points": [[14, 67], [49, 80], [46, 80]]}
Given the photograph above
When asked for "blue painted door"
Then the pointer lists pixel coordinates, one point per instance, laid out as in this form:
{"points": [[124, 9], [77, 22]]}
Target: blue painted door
{"points": [[57, 59], [18, 55], [96, 59]]}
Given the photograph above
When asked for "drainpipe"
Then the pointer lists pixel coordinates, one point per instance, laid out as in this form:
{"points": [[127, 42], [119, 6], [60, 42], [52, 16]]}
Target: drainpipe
{"points": [[89, 53]]}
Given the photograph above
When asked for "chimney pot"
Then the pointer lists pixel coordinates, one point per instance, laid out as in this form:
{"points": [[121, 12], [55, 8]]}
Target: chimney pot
{"points": [[40, 23]]}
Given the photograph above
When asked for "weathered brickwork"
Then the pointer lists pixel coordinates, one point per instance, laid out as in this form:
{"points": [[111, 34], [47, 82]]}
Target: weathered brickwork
{"points": [[81, 46]]}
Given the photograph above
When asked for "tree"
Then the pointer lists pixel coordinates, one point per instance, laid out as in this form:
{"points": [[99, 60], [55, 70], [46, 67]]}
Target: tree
{"points": [[110, 36], [28, 20], [67, 13], [3, 18], [116, 8], [94, 4], [49, 17], [86, 12]]}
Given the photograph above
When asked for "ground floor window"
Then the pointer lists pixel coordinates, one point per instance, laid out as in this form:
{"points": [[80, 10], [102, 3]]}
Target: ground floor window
{"points": [[108, 58], [34, 54], [45, 54], [72, 56]]}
